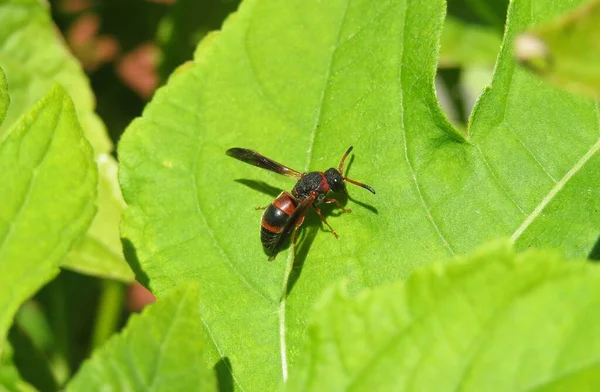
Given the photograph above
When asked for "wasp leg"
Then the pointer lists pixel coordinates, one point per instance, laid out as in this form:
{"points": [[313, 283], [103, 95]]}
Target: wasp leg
{"points": [[324, 221], [337, 203], [261, 208]]}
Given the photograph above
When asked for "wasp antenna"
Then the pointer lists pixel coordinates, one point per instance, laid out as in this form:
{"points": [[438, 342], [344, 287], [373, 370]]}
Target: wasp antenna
{"points": [[360, 184], [341, 166]]}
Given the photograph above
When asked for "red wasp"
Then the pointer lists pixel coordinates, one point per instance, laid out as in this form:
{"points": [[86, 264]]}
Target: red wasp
{"points": [[286, 214]]}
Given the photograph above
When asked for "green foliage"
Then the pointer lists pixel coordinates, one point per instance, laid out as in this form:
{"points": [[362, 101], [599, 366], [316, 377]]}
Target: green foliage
{"points": [[10, 381], [491, 13], [34, 59], [161, 350], [4, 98], [187, 22], [301, 89], [49, 167], [31, 362], [566, 50], [99, 252], [493, 321], [300, 81], [468, 45]]}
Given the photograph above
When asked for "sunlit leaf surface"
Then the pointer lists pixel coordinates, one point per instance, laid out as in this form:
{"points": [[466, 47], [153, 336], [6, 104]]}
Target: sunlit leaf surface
{"points": [[300, 81], [493, 321]]}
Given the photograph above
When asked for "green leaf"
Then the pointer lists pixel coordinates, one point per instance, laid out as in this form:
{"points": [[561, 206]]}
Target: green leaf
{"points": [[186, 23], [99, 252], [468, 45], [161, 350], [300, 81], [10, 380], [482, 12], [34, 59], [565, 51], [32, 363], [4, 98], [48, 167], [493, 321]]}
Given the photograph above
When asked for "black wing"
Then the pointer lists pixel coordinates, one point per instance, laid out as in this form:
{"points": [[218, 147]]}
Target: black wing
{"points": [[290, 225], [254, 158]]}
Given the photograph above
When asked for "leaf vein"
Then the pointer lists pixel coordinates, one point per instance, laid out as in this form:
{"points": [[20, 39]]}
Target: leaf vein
{"points": [[164, 342], [282, 306], [214, 240], [497, 180], [510, 128], [406, 154], [261, 90], [554, 191], [325, 88], [214, 341], [30, 185]]}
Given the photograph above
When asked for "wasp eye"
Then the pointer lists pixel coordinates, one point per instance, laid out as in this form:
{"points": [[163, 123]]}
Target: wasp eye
{"points": [[335, 180]]}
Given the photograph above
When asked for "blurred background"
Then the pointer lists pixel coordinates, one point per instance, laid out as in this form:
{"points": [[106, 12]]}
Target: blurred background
{"points": [[128, 49]]}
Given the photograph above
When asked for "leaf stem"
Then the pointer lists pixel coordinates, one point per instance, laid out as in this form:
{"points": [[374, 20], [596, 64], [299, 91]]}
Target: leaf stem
{"points": [[109, 311]]}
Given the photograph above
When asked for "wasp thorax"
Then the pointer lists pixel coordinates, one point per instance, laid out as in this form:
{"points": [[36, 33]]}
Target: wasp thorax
{"points": [[335, 180]]}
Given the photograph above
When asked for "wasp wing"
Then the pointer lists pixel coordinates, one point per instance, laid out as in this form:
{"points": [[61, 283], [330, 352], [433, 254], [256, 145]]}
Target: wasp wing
{"points": [[256, 159], [290, 225]]}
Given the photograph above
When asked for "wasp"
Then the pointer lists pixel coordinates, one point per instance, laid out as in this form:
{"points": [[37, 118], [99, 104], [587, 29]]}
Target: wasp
{"points": [[286, 213]]}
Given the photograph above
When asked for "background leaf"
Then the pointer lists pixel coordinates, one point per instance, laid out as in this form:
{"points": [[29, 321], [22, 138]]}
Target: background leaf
{"points": [[186, 23], [566, 50], [491, 13], [34, 59], [99, 252], [493, 321], [300, 82], [48, 165], [161, 350], [469, 45], [31, 363], [10, 380]]}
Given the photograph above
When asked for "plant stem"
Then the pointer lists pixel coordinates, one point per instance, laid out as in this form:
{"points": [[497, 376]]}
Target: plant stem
{"points": [[109, 312]]}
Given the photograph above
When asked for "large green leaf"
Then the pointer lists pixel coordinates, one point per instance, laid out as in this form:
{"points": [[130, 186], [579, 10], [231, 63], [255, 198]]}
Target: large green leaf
{"points": [[34, 59], [47, 169], [160, 350], [566, 51], [300, 81], [493, 321]]}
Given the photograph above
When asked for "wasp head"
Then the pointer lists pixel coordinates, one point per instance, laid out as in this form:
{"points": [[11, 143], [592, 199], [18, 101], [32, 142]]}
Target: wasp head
{"points": [[335, 180]]}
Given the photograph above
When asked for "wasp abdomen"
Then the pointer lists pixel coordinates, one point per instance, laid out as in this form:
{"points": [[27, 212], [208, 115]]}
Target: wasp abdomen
{"points": [[274, 219]]}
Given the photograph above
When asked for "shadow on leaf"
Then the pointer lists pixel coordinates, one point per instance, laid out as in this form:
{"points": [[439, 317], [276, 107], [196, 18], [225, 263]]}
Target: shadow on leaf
{"points": [[594, 255], [224, 372], [260, 186], [131, 256], [364, 205], [308, 233]]}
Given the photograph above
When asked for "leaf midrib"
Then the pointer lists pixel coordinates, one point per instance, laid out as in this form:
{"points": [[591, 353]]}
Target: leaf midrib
{"points": [[35, 170], [309, 154], [559, 185]]}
